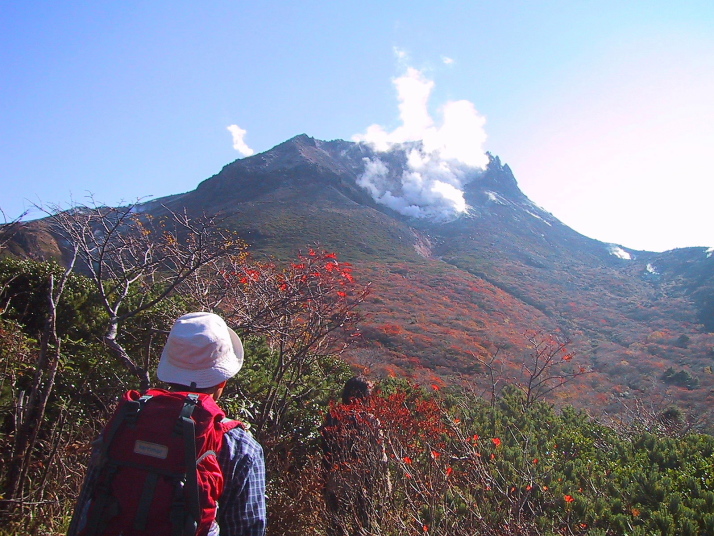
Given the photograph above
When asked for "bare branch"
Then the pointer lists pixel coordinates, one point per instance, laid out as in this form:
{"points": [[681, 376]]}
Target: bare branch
{"points": [[547, 368], [136, 261], [9, 228]]}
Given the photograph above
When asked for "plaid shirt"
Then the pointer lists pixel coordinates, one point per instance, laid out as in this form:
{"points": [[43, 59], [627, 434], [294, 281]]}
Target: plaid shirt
{"points": [[241, 509]]}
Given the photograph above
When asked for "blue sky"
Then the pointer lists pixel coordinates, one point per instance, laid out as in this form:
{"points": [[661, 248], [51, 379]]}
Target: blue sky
{"points": [[603, 110]]}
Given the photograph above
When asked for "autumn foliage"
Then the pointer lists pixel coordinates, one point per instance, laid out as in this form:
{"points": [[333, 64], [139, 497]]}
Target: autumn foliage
{"points": [[486, 455], [430, 320], [460, 466]]}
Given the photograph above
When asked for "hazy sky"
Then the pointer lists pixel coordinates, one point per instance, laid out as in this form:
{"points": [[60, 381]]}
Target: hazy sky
{"points": [[604, 110]]}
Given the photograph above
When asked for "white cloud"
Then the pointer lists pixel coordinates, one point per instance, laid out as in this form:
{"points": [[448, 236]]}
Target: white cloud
{"points": [[432, 184], [238, 140], [460, 137], [413, 91], [400, 53], [447, 60]]}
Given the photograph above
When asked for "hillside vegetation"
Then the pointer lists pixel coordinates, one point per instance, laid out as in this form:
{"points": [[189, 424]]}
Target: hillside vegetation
{"points": [[506, 463]]}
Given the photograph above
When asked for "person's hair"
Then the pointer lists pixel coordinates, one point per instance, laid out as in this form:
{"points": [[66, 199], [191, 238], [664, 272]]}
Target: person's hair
{"points": [[356, 388]]}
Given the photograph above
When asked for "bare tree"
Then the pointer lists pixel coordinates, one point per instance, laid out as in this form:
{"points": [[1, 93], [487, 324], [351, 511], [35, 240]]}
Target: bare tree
{"points": [[136, 261], [9, 228], [494, 369], [547, 367]]}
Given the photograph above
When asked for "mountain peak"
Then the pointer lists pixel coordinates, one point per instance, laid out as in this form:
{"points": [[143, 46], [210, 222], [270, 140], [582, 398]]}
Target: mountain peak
{"points": [[299, 139], [299, 143], [500, 177], [299, 164], [297, 152]]}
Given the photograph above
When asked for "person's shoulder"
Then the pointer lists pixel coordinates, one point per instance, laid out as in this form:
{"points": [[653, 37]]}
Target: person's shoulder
{"points": [[242, 440]]}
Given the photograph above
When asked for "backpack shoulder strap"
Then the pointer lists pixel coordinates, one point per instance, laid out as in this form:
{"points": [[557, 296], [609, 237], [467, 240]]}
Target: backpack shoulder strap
{"points": [[180, 520], [229, 424], [128, 412]]}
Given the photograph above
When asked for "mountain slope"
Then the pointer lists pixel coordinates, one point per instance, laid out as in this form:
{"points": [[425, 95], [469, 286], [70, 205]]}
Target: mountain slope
{"points": [[449, 292]]}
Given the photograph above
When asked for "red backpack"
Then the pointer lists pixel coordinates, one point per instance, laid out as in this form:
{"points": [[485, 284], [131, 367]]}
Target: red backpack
{"points": [[158, 467]]}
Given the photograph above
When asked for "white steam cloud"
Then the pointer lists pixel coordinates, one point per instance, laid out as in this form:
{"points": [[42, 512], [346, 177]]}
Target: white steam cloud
{"points": [[438, 155], [238, 140]]}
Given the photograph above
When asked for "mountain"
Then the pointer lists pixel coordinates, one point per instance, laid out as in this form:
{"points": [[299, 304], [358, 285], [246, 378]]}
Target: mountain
{"points": [[452, 288]]}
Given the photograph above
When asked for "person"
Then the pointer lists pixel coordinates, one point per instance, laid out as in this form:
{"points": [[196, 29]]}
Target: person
{"points": [[354, 462], [201, 354]]}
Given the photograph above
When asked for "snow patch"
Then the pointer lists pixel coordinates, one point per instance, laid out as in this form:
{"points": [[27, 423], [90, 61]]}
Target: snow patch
{"points": [[709, 252], [493, 196], [651, 269], [620, 253], [541, 219]]}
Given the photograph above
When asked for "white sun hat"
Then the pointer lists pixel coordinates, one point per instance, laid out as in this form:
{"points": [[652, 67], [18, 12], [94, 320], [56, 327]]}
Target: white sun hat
{"points": [[201, 349]]}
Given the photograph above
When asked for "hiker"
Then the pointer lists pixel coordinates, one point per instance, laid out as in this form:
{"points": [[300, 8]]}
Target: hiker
{"points": [[354, 462], [168, 456]]}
